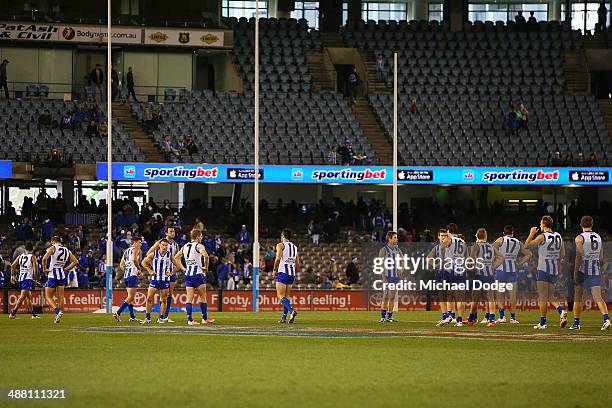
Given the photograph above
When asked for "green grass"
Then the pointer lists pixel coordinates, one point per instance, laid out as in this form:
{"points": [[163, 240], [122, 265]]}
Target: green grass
{"points": [[108, 369]]}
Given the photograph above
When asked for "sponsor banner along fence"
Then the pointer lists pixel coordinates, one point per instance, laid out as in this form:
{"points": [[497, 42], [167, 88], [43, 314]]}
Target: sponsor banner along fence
{"points": [[83, 301], [186, 37], [185, 172]]}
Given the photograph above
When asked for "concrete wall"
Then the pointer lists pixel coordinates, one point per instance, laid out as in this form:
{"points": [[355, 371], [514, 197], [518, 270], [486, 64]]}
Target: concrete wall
{"points": [[155, 71]]}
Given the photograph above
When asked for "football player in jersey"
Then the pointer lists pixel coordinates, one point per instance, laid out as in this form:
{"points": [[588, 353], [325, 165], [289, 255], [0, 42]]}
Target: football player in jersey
{"points": [[587, 272], [390, 276], [489, 259], [130, 265], [454, 251], [434, 257], [160, 266], [58, 256], [173, 247], [514, 256], [550, 253], [286, 265], [27, 266], [196, 261]]}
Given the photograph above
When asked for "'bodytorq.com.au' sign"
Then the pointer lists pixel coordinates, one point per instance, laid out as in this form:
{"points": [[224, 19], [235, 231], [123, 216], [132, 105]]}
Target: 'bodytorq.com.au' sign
{"points": [[223, 173]]}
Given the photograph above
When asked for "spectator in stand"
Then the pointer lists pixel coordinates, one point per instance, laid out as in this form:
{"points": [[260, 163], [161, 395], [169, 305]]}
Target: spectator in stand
{"points": [[360, 159], [352, 272], [3, 78], [67, 121], [92, 112], [147, 120], [522, 116], [580, 161], [269, 259], [181, 145], [45, 121], [104, 129], [347, 155], [168, 147], [568, 161], [114, 83], [511, 120], [592, 162], [96, 78], [532, 21], [380, 68], [190, 145], [556, 161], [352, 84], [413, 105], [602, 21], [332, 156], [130, 84], [92, 130], [520, 20], [244, 236], [47, 230], [54, 159], [314, 231], [337, 284], [323, 281], [223, 272], [80, 113], [157, 118]]}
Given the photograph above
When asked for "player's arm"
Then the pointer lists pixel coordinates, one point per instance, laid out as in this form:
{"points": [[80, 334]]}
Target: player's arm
{"points": [[122, 265], [562, 253], [532, 240], [135, 256], [526, 255], [146, 263], [14, 267], [155, 247], [176, 260], [602, 261], [74, 261], [205, 255], [279, 254], [50, 251], [431, 254], [498, 260], [297, 263], [381, 255], [498, 243], [35, 268], [579, 255]]}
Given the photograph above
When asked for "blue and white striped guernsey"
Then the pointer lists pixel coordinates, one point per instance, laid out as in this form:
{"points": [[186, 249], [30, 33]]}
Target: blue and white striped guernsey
{"points": [[591, 253], [162, 264], [194, 260], [287, 262], [486, 254], [128, 262], [26, 266], [549, 253], [58, 262], [392, 252], [510, 250]]}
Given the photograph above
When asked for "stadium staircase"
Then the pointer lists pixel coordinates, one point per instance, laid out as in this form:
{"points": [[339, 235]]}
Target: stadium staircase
{"points": [[576, 73], [605, 105], [374, 85], [373, 130], [144, 141], [332, 40], [321, 80], [597, 41]]}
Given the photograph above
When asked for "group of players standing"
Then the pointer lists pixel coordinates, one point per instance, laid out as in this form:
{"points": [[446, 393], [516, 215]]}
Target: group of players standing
{"points": [[162, 262], [501, 261]]}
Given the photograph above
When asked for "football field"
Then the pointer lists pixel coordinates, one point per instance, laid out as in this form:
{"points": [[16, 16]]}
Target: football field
{"points": [[335, 359]]}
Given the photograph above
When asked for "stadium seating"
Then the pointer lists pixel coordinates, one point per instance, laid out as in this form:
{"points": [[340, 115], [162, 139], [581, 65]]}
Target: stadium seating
{"points": [[295, 128], [282, 58], [463, 83], [22, 140]]}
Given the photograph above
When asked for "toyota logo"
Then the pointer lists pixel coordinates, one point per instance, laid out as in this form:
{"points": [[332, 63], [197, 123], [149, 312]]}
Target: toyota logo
{"points": [[140, 299]]}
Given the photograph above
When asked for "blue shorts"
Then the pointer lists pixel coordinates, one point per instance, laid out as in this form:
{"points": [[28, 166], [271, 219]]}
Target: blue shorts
{"points": [[173, 278], [484, 279], [284, 278], [26, 284], [131, 282], [195, 281], [458, 278], [442, 276], [542, 276], [159, 285], [394, 280], [54, 283], [506, 277], [588, 281]]}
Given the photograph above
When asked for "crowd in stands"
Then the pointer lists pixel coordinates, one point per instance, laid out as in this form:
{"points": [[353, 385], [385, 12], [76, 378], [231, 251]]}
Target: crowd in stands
{"points": [[580, 160], [178, 146], [346, 156]]}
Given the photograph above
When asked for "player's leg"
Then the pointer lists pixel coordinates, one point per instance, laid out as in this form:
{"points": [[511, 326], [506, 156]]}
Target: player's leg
{"points": [[130, 300], [163, 294], [490, 296], [577, 306], [149, 306], [20, 300], [169, 297], [59, 294], [512, 295], [281, 290], [601, 304], [500, 276], [204, 304], [392, 304], [460, 297], [542, 302], [383, 305], [189, 304], [292, 312], [49, 293], [123, 306], [552, 299]]}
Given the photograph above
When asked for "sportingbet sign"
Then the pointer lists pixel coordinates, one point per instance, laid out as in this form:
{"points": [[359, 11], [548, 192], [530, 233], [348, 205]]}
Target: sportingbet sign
{"points": [[219, 173]]}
